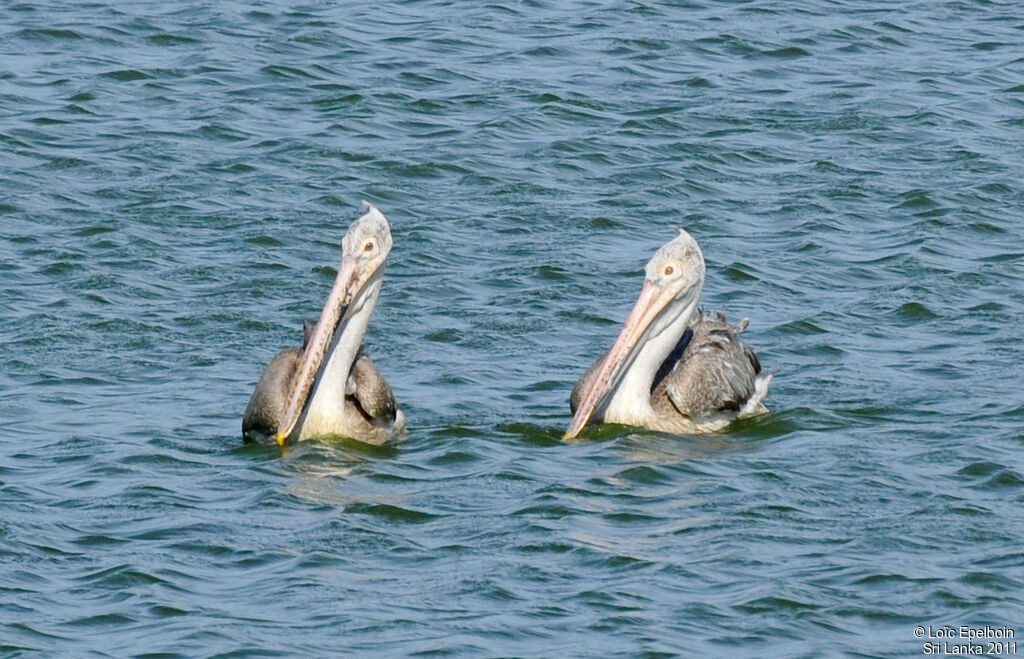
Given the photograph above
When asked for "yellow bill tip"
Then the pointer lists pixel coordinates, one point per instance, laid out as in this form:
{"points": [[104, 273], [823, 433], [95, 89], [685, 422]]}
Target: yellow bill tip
{"points": [[570, 435]]}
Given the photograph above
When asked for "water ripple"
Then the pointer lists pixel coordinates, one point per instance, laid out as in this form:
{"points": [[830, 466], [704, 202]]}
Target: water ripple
{"points": [[176, 180]]}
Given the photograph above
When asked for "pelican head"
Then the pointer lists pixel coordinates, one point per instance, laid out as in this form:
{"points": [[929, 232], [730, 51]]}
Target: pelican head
{"points": [[672, 286], [364, 249]]}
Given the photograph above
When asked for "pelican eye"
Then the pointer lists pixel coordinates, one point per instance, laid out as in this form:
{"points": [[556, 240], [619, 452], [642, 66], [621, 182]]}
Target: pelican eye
{"points": [[668, 271], [368, 247]]}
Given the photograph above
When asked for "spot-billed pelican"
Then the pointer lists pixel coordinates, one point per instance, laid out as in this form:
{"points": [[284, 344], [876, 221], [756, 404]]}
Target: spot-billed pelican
{"points": [[330, 386], [673, 368]]}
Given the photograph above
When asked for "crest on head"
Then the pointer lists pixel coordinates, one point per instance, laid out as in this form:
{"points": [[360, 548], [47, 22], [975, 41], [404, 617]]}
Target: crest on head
{"points": [[680, 257], [369, 236]]}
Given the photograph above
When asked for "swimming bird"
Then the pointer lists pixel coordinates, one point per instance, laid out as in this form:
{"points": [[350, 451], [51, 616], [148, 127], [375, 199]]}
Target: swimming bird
{"points": [[673, 367], [330, 386]]}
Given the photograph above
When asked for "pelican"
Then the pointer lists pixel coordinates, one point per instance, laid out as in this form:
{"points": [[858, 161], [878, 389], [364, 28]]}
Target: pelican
{"points": [[673, 368], [330, 386]]}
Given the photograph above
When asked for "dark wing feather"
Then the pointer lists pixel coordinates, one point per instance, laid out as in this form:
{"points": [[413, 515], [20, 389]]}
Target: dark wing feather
{"points": [[267, 405], [584, 382], [308, 327], [716, 372], [672, 359], [370, 391]]}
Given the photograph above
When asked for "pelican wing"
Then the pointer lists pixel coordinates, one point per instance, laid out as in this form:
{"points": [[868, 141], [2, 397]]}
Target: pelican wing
{"points": [[584, 382], [370, 391], [266, 408], [716, 373]]}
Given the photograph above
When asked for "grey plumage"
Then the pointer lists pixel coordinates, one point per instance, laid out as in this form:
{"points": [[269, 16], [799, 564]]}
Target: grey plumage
{"points": [[584, 383], [268, 402], [710, 371], [369, 391], [369, 400], [715, 372]]}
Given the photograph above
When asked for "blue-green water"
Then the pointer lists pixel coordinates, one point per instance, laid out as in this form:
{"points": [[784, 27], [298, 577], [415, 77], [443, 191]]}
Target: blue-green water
{"points": [[175, 179]]}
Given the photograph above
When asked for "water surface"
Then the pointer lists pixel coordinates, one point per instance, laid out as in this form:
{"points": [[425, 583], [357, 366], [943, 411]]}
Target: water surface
{"points": [[175, 179]]}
